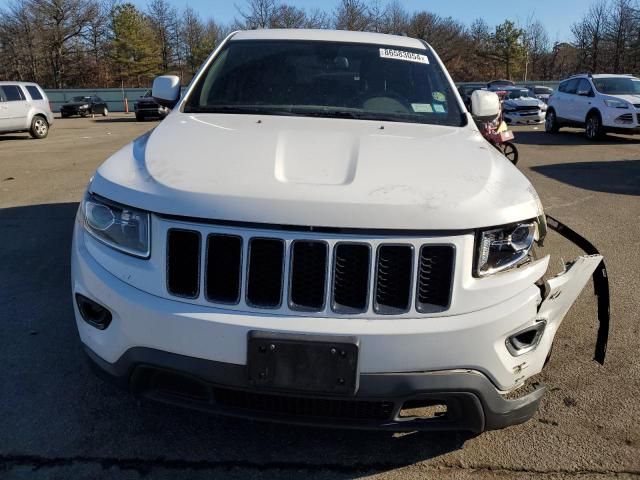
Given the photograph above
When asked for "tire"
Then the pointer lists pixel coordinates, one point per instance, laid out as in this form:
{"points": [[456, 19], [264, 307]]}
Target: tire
{"points": [[84, 114], [39, 127], [593, 127], [551, 122], [105, 112], [139, 118], [63, 115], [510, 151]]}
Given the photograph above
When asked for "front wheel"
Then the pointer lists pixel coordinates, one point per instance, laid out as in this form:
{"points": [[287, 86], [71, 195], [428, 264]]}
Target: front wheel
{"points": [[39, 127], [593, 129], [510, 151], [551, 123]]}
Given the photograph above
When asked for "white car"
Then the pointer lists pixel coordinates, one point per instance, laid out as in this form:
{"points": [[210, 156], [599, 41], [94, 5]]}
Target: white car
{"points": [[598, 103], [24, 107], [520, 108], [318, 233]]}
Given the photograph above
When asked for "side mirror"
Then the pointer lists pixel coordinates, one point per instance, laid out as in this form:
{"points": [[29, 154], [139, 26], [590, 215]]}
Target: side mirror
{"points": [[166, 90], [485, 105]]}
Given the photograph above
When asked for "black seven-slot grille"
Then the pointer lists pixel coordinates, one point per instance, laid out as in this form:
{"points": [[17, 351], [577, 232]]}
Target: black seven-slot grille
{"points": [[317, 275]]}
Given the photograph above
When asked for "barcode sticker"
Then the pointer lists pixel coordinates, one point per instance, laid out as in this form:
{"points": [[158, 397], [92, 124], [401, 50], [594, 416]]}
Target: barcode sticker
{"points": [[402, 55]]}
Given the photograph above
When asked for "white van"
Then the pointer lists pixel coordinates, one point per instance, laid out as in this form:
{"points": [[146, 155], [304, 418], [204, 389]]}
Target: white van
{"points": [[24, 107]]}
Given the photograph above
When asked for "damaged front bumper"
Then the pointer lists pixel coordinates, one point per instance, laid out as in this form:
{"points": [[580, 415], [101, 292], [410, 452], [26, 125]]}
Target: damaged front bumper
{"points": [[563, 289]]}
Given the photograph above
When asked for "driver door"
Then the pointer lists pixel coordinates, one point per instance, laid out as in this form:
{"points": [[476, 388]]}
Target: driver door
{"points": [[582, 101]]}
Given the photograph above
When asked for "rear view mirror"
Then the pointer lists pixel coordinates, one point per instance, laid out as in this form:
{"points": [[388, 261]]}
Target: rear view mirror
{"points": [[166, 90], [485, 105]]}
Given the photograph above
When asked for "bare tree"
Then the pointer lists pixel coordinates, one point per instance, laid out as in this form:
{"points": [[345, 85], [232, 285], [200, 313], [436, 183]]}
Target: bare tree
{"points": [[59, 22], [589, 34], [162, 15], [352, 15], [258, 13]]}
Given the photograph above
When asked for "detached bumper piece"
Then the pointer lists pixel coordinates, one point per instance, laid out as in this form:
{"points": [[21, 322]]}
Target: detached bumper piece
{"points": [[600, 285], [450, 400]]}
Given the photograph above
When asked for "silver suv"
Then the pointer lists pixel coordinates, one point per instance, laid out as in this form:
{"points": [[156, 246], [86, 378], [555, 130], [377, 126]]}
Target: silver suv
{"points": [[24, 107]]}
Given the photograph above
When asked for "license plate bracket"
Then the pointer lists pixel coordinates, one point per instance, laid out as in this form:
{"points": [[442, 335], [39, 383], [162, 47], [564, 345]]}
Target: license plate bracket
{"points": [[303, 363]]}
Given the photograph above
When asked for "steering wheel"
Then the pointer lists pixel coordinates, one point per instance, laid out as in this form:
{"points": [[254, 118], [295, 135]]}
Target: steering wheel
{"points": [[389, 102]]}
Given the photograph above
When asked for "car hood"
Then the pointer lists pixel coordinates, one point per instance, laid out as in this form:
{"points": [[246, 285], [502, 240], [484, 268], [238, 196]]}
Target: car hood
{"points": [[522, 102], [635, 99], [318, 172], [75, 104]]}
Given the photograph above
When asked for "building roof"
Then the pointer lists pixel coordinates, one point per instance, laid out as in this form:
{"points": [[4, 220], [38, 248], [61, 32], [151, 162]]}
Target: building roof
{"points": [[330, 36]]}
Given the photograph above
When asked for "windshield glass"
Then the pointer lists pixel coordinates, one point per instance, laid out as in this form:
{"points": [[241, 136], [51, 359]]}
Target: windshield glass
{"points": [[518, 93], [326, 79], [618, 85], [543, 91], [80, 99]]}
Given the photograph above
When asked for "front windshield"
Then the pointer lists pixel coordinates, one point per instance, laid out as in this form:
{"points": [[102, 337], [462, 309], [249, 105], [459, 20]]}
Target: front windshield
{"points": [[326, 79], [543, 91], [618, 85], [80, 99], [513, 94]]}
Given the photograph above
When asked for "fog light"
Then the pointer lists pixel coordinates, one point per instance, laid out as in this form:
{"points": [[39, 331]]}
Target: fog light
{"points": [[93, 313], [526, 340]]}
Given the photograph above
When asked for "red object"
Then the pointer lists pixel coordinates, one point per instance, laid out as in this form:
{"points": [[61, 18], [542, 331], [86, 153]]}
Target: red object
{"points": [[126, 105]]}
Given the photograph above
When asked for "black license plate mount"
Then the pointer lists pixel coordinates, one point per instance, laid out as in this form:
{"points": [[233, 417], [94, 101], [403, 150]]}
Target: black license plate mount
{"points": [[303, 363]]}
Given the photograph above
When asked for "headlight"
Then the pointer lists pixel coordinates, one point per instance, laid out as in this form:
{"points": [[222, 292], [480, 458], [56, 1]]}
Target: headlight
{"points": [[122, 228], [501, 248], [83, 106], [616, 103], [543, 106]]}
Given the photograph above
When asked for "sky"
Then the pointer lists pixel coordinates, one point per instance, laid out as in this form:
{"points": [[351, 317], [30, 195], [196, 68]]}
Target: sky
{"points": [[556, 15]]}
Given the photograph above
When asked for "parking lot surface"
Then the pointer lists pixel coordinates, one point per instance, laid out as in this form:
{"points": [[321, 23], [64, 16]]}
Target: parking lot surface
{"points": [[59, 421]]}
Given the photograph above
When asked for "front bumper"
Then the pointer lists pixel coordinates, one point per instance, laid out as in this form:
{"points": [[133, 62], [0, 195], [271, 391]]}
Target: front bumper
{"points": [[472, 402], [516, 118], [459, 360]]}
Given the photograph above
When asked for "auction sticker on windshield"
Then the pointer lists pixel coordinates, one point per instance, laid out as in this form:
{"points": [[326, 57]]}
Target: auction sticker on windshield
{"points": [[402, 55]]}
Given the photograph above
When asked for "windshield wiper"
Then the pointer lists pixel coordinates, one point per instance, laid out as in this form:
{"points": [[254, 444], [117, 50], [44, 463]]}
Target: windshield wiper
{"points": [[245, 109]]}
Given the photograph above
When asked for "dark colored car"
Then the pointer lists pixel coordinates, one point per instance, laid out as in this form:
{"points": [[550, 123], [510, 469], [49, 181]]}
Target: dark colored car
{"points": [[84, 106], [147, 107], [500, 83], [466, 91]]}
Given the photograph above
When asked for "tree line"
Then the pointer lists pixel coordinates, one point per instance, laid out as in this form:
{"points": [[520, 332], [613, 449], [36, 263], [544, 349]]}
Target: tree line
{"points": [[112, 43]]}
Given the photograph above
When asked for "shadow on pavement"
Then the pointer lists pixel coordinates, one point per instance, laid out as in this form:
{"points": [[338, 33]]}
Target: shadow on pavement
{"points": [[574, 137], [619, 176], [24, 136], [53, 407]]}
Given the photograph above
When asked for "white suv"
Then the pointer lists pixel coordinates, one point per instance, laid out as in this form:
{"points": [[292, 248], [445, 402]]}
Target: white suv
{"points": [[24, 107], [598, 103], [318, 233]]}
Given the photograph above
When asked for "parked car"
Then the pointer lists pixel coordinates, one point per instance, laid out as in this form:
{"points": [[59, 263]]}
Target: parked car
{"points": [[521, 108], [500, 83], [84, 106], [312, 236], [147, 107], [540, 92], [465, 92], [598, 103], [24, 107]]}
